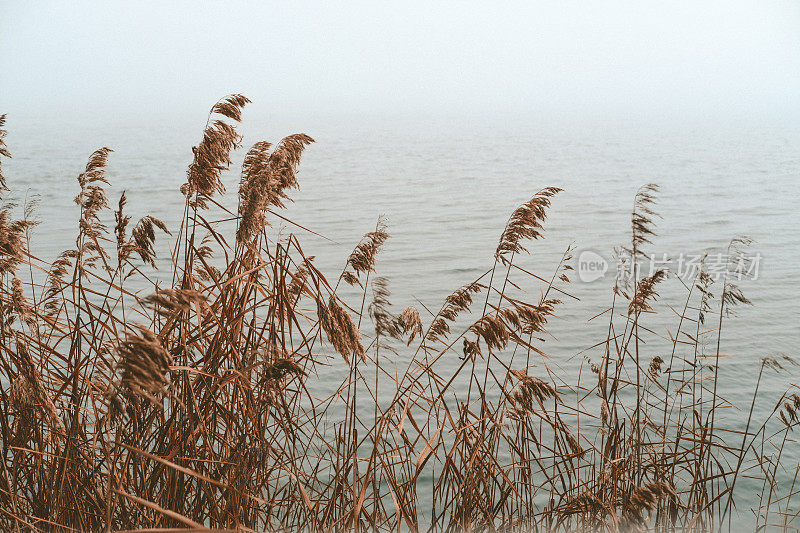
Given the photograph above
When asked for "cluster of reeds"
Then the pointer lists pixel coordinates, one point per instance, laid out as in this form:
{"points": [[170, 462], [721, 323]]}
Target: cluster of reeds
{"points": [[127, 405]]}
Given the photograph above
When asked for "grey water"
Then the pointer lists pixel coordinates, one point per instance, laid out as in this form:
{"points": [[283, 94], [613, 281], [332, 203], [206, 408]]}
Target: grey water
{"points": [[447, 187]]}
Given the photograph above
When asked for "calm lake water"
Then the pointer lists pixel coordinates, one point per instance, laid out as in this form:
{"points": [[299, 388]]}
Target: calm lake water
{"points": [[447, 188]]}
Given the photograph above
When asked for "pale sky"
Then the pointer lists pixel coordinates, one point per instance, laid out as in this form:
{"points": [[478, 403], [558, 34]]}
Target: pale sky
{"points": [[410, 57]]}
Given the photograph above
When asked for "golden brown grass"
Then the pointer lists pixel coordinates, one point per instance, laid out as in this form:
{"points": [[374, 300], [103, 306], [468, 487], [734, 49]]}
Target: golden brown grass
{"points": [[192, 407]]}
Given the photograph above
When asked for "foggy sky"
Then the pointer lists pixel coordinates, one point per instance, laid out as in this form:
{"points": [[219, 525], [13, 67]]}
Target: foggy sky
{"points": [[416, 57]]}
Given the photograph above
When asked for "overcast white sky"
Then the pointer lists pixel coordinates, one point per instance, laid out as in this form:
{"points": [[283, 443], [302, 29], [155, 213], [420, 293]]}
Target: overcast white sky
{"points": [[413, 57]]}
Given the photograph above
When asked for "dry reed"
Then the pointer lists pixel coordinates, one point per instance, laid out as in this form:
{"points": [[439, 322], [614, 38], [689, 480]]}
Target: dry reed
{"points": [[193, 407]]}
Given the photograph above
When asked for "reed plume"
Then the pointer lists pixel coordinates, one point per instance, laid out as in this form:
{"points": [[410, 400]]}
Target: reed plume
{"points": [[340, 329], [29, 389], [646, 292], [212, 155], [642, 219], [410, 323], [386, 324], [266, 178], [13, 241], [454, 304], [525, 223], [144, 364], [736, 260], [644, 499], [531, 392], [169, 302], [3, 151], [362, 258]]}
